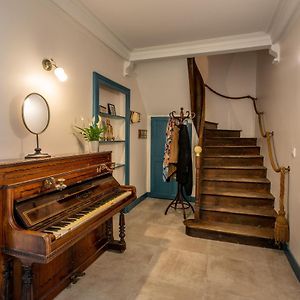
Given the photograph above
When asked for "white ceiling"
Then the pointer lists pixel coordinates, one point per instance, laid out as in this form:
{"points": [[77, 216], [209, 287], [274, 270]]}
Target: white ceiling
{"points": [[150, 29], [147, 23]]}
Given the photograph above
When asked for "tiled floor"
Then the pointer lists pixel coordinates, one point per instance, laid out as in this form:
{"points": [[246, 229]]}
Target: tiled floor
{"points": [[162, 263]]}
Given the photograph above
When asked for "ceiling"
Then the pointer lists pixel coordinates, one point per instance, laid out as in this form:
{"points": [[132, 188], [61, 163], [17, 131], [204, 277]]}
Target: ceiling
{"points": [[149, 29], [144, 23]]}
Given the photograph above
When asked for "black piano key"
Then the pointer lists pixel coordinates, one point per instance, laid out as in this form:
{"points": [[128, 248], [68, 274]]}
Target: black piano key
{"points": [[52, 229]]}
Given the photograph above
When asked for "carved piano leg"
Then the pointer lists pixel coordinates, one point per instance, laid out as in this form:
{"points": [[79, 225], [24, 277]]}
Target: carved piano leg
{"points": [[120, 245], [7, 274], [27, 287], [122, 230]]}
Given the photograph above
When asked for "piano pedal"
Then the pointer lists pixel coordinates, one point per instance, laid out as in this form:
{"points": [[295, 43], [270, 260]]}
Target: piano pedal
{"points": [[76, 277]]}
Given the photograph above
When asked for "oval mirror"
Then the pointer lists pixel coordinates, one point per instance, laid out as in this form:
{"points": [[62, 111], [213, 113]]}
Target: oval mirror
{"points": [[36, 114], [36, 117]]}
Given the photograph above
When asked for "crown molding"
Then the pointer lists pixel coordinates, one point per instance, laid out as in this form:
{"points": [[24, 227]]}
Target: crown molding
{"points": [[84, 17], [234, 43], [284, 13]]}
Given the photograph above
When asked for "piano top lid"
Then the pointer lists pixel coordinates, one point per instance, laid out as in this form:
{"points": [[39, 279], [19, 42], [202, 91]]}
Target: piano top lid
{"points": [[15, 171], [4, 163]]}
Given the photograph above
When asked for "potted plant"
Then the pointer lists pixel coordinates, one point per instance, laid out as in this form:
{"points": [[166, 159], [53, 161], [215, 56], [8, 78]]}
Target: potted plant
{"points": [[93, 133]]}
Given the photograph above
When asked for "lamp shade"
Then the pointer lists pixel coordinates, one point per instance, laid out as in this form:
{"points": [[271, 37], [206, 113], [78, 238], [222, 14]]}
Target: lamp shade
{"points": [[60, 74]]}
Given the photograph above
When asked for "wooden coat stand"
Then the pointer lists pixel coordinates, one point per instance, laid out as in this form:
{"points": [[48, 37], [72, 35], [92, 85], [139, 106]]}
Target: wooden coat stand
{"points": [[180, 198]]}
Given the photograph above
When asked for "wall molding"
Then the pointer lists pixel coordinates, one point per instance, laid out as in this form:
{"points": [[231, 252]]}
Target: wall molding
{"points": [[234, 43], [135, 202], [293, 262], [284, 13], [85, 18]]}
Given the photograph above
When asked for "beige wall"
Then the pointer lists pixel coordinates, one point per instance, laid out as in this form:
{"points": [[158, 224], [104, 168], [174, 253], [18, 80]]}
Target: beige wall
{"points": [[233, 75], [30, 31], [278, 90], [165, 87]]}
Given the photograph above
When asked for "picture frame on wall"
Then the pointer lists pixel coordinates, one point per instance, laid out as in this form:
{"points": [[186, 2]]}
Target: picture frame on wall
{"points": [[102, 109], [142, 134], [111, 109]]}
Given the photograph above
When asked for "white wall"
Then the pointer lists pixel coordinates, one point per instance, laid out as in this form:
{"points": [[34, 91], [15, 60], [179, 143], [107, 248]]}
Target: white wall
{"points": [[278, 90], [232, 75], [30, 31]]}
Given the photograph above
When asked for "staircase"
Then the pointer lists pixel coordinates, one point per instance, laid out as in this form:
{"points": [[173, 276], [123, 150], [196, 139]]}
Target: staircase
{"points": [[236, 203]]}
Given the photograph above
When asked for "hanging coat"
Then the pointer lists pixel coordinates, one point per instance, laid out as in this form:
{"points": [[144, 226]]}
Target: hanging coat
{"points": [[184, 174]]}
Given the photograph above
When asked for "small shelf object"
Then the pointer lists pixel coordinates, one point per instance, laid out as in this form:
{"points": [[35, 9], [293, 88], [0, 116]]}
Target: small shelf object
{"points": [[116, 99]]}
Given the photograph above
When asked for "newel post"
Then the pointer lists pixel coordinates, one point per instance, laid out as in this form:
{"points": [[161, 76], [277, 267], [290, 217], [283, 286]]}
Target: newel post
{"points": [[198, 151]]}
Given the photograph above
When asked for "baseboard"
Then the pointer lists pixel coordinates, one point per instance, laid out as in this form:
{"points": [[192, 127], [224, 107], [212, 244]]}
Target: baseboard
{"points": [[137, 201], [189, 198], [294, 264]]}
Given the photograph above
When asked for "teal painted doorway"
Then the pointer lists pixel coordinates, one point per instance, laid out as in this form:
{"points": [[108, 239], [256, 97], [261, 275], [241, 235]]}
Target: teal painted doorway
{"points": [[158, 187]]}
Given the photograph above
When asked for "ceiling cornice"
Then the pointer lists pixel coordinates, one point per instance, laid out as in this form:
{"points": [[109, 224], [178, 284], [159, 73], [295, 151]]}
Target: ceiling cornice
{"points": [[245, 42], [234, 43], [84, 17], [282, 16]]}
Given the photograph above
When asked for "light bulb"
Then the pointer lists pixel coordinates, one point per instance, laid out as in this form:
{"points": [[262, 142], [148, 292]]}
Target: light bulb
{"points": [[60, 74]]}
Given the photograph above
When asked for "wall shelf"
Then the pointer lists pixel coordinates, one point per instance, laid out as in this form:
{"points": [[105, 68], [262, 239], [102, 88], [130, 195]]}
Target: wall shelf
{"points": [[118, 165], [109, 142], [106, 92], [106, 115]]}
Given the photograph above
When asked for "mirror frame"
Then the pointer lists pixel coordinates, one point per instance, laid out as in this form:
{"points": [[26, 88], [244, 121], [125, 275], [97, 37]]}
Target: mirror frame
{"points": [[48, 109]]}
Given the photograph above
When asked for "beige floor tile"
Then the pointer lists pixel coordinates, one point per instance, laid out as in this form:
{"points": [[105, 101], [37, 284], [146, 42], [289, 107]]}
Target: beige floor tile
{"points": [[162, 263]]}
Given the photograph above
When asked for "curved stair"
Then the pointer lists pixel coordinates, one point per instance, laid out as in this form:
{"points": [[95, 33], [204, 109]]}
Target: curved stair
{"points": [[236, 203]]}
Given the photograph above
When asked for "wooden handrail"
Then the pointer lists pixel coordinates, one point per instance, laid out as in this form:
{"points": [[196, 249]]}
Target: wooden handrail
{"points": [[281, 233], [197, 96]]}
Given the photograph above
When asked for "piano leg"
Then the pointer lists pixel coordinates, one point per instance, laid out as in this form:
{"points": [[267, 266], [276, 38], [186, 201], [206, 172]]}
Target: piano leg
{"points": [[7, 275], [27, 288], [120, 245]]}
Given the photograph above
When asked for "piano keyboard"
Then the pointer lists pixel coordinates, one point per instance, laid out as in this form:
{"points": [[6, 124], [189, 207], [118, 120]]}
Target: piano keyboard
{"points": [[83, 216]]}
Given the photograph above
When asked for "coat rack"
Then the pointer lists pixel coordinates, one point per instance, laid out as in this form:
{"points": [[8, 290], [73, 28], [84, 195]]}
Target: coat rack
{"points": [[180, 199]]}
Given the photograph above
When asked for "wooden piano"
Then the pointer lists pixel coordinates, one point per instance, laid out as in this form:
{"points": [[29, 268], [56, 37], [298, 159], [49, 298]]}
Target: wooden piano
{"points": [[56, 219]]}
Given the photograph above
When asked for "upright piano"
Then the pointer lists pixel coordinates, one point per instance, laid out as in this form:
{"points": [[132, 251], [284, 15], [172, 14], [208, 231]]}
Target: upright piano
{"points": [[56, 219]]}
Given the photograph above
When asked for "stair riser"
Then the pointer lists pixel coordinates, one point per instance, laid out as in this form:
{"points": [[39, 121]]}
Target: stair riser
{"points": [[225, 217], [229, 161], [230, 142], [209, 125], [245, 173], [232, 238], [236, 186], [232, 150], [222, 133], [227, 201]]}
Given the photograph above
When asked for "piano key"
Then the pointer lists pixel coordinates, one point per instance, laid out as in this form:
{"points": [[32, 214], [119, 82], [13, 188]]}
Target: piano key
{"points": [[80, 217]]}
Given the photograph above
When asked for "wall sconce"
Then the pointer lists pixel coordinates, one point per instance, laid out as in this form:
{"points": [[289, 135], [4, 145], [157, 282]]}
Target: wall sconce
{"points": [[49, 64]]}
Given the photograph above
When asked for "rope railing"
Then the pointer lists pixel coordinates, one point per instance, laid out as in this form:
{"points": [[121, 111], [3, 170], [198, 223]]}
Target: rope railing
{"points": [[281, 231]]}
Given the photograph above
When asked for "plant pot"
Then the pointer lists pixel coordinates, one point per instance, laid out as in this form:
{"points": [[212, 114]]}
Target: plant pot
{"points": [[93, 146]]}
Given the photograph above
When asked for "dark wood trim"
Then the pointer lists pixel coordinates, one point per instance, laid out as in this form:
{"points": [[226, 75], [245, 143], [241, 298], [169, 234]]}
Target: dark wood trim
{"points": [[293, 262], [136, 202]]}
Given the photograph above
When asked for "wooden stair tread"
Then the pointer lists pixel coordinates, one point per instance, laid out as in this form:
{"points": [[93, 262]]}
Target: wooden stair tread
{"points": [[243, 210], [232, 146], [241, 194], [229, 138], [235, 167], [232, 156], [208, 122], [226, 130], [237, 179], [229, 228]]}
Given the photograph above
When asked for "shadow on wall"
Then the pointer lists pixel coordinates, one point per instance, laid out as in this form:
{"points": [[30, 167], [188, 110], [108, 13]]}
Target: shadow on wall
{"points": [[16, 122]]}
